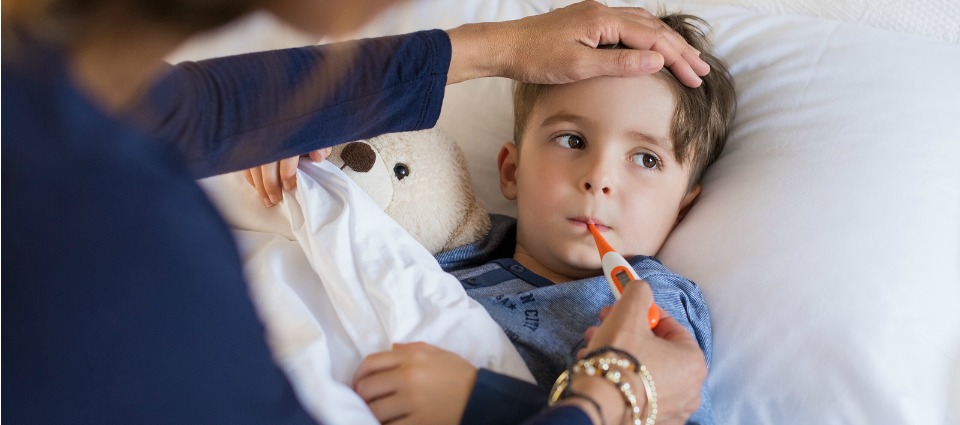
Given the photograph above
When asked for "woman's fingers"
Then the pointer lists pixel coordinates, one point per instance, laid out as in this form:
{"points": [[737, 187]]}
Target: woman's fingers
{"points": [[682, 59], [271, 180], [288, 173], [270, 176], [320, 154], [256, 174]]}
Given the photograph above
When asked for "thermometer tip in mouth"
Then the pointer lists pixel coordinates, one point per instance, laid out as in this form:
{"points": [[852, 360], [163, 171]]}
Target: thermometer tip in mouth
{"points": [[602, 244]]}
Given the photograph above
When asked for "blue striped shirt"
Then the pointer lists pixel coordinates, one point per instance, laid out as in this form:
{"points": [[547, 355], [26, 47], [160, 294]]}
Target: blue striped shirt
{"points": [[545, 321]]}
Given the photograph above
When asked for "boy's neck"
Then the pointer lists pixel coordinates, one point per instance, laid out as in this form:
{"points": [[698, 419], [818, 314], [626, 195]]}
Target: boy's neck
{"points": [[527, 261]]}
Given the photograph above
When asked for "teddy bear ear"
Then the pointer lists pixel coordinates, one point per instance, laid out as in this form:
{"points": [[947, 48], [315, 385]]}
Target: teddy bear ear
{"points": [[359, 156], [361, 162]]}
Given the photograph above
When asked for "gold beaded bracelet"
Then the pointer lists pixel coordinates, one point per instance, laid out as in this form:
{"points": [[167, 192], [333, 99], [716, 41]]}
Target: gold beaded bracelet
{"points": [[612, 369], [650, 412]]}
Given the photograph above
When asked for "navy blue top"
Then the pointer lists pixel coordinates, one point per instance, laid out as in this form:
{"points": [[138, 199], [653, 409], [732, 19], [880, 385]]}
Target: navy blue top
{"points": [[566, 415], [123, 297]]}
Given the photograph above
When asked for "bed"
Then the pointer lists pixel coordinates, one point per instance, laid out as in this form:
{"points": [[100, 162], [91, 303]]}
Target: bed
{"points": [[827, 237]]}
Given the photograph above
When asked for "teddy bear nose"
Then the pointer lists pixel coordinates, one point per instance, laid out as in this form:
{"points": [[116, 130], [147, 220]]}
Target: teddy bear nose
{"points": [[359, 156]]}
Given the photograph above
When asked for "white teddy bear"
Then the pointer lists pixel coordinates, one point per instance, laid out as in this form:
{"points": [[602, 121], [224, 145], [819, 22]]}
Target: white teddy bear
{"points": [[420, 179]]}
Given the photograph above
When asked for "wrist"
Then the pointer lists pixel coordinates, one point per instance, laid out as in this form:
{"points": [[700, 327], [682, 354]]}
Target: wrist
{"points": [[612, 410], [476, 51], [601, 368]]}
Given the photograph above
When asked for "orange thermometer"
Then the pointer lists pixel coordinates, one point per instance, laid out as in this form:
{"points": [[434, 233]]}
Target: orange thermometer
{"points": [[618, 272]]}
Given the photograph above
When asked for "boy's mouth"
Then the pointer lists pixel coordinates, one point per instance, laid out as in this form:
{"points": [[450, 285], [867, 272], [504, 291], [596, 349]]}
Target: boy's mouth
{"points": [[584, 221]]}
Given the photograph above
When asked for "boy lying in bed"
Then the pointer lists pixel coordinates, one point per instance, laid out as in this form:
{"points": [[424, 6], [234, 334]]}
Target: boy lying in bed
{"points": [[625, 154]]}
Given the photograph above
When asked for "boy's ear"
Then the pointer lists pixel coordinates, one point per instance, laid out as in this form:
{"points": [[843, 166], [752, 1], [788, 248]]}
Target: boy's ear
{"points": [[507, 164], [688, 201]]}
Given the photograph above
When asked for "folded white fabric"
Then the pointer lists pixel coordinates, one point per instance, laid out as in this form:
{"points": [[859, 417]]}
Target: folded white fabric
{"points": [[335, 279]]}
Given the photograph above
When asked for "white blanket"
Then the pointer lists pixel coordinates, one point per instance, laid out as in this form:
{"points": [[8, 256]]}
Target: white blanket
{"points": [[335, 279]]}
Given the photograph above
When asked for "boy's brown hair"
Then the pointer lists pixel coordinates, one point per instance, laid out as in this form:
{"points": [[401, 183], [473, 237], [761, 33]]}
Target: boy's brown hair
{"points": [[703, 115]]}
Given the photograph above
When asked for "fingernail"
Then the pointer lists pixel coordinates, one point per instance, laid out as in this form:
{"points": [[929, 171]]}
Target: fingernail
{"points": [[647, 62], [268, 202], [273, 199], [287, 186], [651, 61]]}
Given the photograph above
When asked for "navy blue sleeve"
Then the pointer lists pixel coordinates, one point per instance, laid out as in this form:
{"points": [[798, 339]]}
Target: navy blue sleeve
{"points": [[566, 415], [232, 113], [501, 399]]}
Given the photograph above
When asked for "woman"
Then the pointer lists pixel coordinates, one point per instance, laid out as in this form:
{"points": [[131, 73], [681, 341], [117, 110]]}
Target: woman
{"points": [[125, 300]]}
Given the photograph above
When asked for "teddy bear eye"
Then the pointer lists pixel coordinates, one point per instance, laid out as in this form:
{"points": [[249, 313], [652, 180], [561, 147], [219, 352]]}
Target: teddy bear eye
{"points": [[400, 170]]}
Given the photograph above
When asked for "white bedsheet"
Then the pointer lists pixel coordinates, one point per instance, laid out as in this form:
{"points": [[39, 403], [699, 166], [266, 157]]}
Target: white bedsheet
{"points": [[335, 279]]}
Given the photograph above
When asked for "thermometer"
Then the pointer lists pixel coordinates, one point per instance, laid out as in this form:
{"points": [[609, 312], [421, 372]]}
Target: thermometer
{"points": [[618, 272]]}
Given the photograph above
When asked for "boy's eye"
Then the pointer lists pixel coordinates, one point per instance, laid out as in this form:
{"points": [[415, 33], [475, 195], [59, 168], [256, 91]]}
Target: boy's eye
{"points": [[570, 141], [647, 160]]}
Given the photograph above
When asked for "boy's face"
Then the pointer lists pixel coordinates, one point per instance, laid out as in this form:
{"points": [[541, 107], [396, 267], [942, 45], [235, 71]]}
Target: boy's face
{"points": [[599, 151]]}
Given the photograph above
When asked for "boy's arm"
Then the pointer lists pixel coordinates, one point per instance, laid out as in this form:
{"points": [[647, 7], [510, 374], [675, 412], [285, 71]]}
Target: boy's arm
{"points": [[415, 383], [422, 384]]}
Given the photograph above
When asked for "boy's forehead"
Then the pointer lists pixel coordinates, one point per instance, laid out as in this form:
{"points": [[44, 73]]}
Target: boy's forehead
{"points": [[646, 102], [635, 84]]}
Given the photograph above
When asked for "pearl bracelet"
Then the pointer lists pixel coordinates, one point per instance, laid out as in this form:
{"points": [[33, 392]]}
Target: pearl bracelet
{"points": [[612, 369]]}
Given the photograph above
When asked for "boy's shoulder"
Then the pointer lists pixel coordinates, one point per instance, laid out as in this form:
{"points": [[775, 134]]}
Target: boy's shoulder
{"points": [[498, 243], [651, 269]]}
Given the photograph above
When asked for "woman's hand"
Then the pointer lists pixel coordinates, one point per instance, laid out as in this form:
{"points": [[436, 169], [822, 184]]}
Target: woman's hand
{"points": [[668, 351], [415, 383], [271, 180], [560, 47]]}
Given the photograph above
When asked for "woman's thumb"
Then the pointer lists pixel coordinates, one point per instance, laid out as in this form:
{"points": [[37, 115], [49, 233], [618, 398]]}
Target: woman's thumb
{"points": [[627, 62]]}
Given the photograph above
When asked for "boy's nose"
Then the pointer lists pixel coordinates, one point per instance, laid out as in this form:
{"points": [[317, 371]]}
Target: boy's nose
{"points": [[596, 180], [605, 189]]}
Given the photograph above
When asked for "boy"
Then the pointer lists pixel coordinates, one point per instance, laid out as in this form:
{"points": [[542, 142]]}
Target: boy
{"points": [[625, 154]]}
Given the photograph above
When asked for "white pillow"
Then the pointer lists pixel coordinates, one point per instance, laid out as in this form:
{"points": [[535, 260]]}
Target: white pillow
{"points": [[827, 236], [939, 19]]}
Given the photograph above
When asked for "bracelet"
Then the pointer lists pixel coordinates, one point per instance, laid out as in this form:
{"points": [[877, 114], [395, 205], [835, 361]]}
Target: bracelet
{"points": [[626, 390], [649, 412], [559, 387], [610, 368], [574, 394], [634, 363]]}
